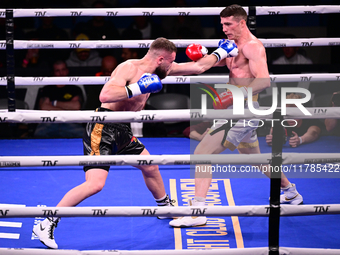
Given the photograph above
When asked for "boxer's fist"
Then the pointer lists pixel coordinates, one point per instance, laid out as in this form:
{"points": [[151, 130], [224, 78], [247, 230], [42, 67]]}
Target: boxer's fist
{"points": [[226, 49], [148, 83], [226, 99], [196, 51]]}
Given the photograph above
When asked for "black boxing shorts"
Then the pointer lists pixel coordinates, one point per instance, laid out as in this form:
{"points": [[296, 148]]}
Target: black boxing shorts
{"points": [[109, 139]]}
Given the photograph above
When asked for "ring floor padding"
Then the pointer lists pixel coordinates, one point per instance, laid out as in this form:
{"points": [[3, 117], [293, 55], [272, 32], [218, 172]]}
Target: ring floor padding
{"points": [[45, 186]]}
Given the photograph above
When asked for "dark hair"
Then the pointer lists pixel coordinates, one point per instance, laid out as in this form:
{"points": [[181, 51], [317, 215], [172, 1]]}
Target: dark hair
{"points": [[234, 10], [59, 62], [162, 43]]}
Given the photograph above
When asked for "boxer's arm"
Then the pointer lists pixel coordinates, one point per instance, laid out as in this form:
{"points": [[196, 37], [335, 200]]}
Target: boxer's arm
{"points": [[312, 134], [114, 90], [226, 49], [331, 124], [197, 67], [256, 54]]}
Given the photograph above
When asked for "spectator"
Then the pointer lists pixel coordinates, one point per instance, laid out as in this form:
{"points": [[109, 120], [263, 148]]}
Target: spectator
{"points": [[332, 125], [148, 28], [109, 63], [49, 31], [60, 97], [32, 58], [198, 131], [291, 56], [180, 26], [129, 53], [301, 130], [89, 3], [99, 28], [81, 57]]}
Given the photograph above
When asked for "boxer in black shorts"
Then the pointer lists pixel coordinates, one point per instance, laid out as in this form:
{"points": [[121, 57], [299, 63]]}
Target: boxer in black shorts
{"points": [[128, 89], [109, 139]]}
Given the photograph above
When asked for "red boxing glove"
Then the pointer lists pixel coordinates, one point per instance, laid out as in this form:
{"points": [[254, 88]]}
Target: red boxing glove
{"points": [[196, 51], [226, 99]]}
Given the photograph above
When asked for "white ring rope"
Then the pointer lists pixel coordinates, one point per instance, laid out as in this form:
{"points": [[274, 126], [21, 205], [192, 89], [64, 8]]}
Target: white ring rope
{"points": [[176, 211], [232, 251], [100, 80], [180, 159], [186, 11], [38, 116], [180, 43]]}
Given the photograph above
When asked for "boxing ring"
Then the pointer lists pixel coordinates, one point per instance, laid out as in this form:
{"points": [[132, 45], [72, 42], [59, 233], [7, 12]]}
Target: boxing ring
{"points": [[273, 210]]}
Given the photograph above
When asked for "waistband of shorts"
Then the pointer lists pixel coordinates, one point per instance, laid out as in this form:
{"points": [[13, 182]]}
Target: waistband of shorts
{"points": [[102, 109]]}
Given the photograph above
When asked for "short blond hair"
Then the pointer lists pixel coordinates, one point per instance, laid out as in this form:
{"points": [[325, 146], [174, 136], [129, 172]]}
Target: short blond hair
{"points": [[162, 43]]}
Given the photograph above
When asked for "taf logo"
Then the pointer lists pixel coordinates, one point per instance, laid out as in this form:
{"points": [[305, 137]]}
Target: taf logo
{"points": [[48, 119], [75, 13], [148, 13], [40, 14], [183, 13], [50, 212], [74, 45], [147, 116], [149, 211], [49, 163], [110, 14], [181, 79], [99, 212], [98, 118], [144, 162], [198, 211], [144, 45], [273, 13], [306, 44]]}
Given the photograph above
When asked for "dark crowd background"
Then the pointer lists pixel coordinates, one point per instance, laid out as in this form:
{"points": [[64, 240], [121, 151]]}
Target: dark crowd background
{"points": [[100, 62]]}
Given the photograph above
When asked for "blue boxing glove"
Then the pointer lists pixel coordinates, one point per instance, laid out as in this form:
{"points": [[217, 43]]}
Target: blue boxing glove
{"points": [[226, 49], [148, 83]]}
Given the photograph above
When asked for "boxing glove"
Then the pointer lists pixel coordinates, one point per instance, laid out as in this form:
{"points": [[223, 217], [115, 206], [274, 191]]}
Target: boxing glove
{"points": [[226, 49], [148, 83], [196, 51], [226, 100]]}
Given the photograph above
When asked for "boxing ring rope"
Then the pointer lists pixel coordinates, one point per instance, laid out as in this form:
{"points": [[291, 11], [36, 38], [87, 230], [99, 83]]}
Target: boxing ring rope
{"points": [[99, 80], [184, 11], [180, 43], [183, 159], [153, 211], [39, 116], [26, 116]]}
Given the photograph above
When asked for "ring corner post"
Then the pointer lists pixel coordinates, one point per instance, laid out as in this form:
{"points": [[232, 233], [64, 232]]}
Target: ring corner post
{"points": [[275, 185], [10, 59], [252, 19]]}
